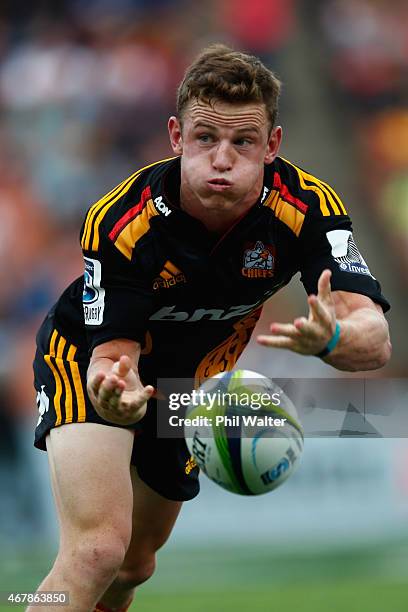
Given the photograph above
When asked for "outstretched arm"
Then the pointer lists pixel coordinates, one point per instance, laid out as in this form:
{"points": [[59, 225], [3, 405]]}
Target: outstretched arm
{"points": [[364, 342], [114, 386]]}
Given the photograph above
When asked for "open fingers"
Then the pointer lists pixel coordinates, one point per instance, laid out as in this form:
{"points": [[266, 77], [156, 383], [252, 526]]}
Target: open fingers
{"points": [[122, 367], [96, 382], [318, 310], [146, 393], [300, 329], [276, 341], [324, 286], [111, 387], [284, 329], [126, 402]]}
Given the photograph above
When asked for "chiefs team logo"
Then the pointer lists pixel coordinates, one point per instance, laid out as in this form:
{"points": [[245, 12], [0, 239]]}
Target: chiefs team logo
{"points": [[259, 261]]}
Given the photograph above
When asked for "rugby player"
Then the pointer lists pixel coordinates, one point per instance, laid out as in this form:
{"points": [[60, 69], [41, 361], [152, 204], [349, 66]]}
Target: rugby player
{"points": [[179, 259]]}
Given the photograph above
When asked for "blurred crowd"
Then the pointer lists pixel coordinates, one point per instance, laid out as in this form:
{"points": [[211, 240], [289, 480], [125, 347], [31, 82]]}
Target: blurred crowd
{"points": [[368, 67], [86, 87]]}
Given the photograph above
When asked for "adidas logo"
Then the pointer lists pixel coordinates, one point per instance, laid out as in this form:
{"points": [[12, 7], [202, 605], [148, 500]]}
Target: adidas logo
{"points": [[169, 276]]}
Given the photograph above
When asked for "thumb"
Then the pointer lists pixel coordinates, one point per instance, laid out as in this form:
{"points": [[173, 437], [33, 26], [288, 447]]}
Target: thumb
{"points": [[324, 286], [147, 392]]}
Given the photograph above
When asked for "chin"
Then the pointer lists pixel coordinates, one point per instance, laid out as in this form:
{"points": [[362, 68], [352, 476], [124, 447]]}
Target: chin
{"points": [[217, 204], [216, 201]]}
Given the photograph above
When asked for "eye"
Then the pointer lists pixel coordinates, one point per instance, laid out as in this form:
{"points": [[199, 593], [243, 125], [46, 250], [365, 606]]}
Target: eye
{"points": [[205, 138], [242, 142]]}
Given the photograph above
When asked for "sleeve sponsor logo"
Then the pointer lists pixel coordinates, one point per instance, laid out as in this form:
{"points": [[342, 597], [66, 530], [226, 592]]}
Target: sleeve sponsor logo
{"points": [[93, 297], [346, 253]]}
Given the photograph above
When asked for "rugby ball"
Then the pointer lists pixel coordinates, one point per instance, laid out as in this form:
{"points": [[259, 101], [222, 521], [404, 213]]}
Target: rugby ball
{"points": [[244, 432]]}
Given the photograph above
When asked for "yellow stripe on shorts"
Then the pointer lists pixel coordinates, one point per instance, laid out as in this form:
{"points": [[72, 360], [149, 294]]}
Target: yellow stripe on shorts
{"points": [[76, 377], [58, 384], [59, 361]]}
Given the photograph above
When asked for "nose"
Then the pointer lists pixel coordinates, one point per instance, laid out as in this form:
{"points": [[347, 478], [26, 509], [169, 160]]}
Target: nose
{"points": [[223, 157]]}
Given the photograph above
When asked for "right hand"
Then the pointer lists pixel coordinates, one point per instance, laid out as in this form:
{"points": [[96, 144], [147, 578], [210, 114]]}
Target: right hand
{"points": [[118, 395]]}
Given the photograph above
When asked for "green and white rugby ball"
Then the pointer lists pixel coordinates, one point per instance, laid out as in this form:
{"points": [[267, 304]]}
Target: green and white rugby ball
{"points": [[244, 432]]}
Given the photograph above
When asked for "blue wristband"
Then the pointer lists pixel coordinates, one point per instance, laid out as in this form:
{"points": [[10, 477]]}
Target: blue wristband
{"points": [[332, 343]]}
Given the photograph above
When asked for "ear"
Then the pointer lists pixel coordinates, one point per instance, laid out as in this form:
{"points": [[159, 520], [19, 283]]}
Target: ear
{"points": [[274, 142], [176, 139]]}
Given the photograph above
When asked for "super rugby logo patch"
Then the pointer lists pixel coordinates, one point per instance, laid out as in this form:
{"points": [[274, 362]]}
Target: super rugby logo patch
{"points": [[259, 261], [346, 253], [93, 297]]}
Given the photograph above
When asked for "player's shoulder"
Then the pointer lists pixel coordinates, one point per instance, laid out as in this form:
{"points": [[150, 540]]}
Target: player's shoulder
{"points": [[125, 213], [297, 194]]}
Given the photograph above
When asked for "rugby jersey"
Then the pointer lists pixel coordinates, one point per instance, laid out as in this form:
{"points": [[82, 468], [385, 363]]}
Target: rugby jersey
{"points": [[156, 275]]}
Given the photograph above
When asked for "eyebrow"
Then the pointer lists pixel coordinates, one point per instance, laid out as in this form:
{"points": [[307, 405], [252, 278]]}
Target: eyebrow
{"points": [[214, 127]]}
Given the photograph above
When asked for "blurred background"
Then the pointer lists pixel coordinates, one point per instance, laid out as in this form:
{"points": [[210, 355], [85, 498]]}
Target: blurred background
{"points": [[86, 87]]}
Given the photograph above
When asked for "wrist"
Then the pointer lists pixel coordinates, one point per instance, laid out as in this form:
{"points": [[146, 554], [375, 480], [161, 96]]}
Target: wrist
{"points": [[332, 343]]}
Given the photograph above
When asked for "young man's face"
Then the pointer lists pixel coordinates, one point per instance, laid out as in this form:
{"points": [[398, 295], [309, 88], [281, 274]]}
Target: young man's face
{"points": [[224, 148]]}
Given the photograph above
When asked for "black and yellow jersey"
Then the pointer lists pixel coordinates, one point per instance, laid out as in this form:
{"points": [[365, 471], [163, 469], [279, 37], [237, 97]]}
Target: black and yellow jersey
{"points": [[156, 275]]}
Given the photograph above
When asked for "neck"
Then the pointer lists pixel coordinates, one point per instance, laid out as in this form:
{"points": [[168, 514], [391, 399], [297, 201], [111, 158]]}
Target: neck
{"points": [[215, 220]]}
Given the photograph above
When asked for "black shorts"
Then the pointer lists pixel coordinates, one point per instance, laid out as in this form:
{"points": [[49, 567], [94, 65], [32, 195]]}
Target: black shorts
{"points": [[60, 369]]}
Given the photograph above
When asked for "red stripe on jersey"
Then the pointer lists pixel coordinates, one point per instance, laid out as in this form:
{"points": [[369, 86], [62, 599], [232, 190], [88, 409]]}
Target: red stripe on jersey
{"points": [[130, 215], [288, 197]]}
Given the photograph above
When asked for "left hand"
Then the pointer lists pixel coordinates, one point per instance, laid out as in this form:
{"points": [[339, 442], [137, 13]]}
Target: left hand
{"points": [[307, 336], [118, 395]]}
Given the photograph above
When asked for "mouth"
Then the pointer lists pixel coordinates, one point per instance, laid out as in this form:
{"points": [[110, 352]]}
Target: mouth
{"points": [[219, 184]]}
